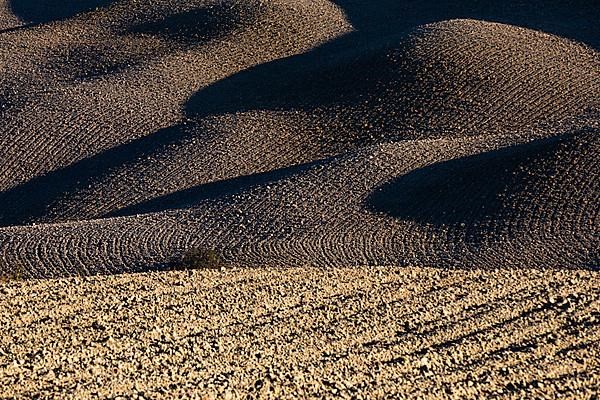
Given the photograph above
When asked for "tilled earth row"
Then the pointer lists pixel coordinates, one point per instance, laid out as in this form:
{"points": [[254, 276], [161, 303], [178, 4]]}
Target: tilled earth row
{"points": [[304, 333], [471, 202]]}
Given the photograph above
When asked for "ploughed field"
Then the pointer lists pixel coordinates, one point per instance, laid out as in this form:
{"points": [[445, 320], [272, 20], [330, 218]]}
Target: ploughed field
{"points": [[309, 142], [364, 332]]}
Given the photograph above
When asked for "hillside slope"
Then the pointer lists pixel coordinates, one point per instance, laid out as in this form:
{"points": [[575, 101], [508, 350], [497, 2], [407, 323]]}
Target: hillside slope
{"points": [[296, 132]]}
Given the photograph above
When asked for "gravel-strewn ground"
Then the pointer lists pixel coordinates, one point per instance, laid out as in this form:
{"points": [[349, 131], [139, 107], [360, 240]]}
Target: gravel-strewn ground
{"points": [[304, 333], [300, 134]]}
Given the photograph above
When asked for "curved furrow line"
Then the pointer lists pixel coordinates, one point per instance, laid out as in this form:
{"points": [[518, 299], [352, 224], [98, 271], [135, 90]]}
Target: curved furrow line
{"points": [[231, 177]]}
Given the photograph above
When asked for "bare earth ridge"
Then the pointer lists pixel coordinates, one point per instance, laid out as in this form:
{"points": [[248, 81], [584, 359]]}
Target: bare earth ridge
{"points": [[406, 195]]}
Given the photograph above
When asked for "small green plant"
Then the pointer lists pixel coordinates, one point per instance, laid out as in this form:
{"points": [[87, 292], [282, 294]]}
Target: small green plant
{"points": [[199, 258], [16, 273], [80, 271]]}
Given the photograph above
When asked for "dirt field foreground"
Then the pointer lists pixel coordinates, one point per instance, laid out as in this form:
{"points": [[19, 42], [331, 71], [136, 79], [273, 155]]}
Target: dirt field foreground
{"points": [[304, 333]]}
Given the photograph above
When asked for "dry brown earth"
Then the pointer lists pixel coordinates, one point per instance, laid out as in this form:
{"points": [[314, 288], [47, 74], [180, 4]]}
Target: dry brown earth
{"points": [[310, 142], [304, 333]]}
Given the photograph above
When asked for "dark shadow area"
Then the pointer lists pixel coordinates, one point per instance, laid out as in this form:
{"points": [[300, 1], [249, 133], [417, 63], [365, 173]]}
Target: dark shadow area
{"points": [[88, 62], [345, 71], [201, 24], [42, 11], [573, 19], [468, 190], [365, 94], [213, 190], [30, 201]]}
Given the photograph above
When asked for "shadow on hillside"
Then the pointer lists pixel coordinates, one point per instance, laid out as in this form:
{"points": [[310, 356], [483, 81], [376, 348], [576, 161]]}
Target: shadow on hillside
{"points": [[213, 190], [30, 201], [42, 11], [200, 24], [347, 71], [467, 191], [344, 71], [574, 19], [374, 20]]}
